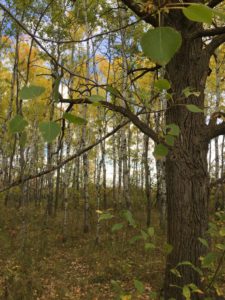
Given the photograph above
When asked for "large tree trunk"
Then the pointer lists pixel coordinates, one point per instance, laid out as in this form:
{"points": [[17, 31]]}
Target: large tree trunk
{"points": [[187, 177]]}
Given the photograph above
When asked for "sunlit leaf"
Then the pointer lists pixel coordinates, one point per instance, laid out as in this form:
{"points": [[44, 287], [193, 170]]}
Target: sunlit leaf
{"points": [[186, 292]]}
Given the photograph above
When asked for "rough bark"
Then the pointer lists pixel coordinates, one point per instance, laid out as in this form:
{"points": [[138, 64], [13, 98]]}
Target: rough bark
{"points": [[187, 178]]}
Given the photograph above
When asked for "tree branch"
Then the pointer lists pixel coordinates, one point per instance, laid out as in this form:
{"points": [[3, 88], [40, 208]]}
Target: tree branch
{"points": [[213, 3], [209, 32], [215, 131], [125, 112], [136, 8], [215, 43]]}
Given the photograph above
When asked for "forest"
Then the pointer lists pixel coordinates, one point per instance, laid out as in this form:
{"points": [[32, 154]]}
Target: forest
{"points": [[112, 150]]}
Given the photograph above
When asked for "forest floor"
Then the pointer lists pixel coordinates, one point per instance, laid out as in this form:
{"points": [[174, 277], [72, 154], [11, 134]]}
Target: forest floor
{"points": [[41, 258], [44, 258]]}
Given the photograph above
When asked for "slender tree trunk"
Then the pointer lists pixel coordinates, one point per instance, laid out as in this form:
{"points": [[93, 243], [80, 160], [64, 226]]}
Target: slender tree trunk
{"points": [[84, 134], [218, 204], [147, 175]]}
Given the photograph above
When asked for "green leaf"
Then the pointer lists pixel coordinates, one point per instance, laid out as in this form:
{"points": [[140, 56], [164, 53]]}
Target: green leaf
{"points": [[135, 239], [220, 246], [31, 92], [17, 124], [160, 44], [198, 13], [153, 295], [186, 292], [49, 131], [169, 139], [129, 218], [139, 286], [55, 92], [204, 242], [193, 108], [149, 246], [144, 235], [113, 91], [105, 216], [117, 227], [23, 139], [220, 14], [222, 232], [96, 98], [151, 231], [188, 263], [168, 248], [173, 129], [195, 289], [160, 151], [188, 92], [175, 272], [162, 84], [74, 119], [209, 259]]}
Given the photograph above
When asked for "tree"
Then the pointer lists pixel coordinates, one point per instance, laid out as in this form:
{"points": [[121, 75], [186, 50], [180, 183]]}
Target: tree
{"points": [[187, 178]]}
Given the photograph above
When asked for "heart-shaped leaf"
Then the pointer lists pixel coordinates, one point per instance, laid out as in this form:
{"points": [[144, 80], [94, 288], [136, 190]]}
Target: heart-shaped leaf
{"points": [[173, 129], [160, 44], [49, 130], [17, 124], [194, 108], [74, 119], [160, 151], [31, 92], [162, 84], [198, 13]]}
